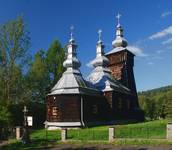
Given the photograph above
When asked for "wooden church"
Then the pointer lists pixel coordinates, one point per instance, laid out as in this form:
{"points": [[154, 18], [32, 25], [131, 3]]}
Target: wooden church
{"points": [[107, 94]]}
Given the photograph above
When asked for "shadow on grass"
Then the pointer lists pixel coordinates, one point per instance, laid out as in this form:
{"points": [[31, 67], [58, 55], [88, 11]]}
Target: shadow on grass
{"points": [[34, 145], [86, 148], [116, 122], [98, 148]]}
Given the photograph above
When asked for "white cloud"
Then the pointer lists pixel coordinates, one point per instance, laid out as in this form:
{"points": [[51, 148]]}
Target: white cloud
{"points": [[156, 57], [169, 48], [137, 51], [169, 41], [90, 64], [166, 14], [150, 63], [160, 51], [163, 33], [134, 49]]}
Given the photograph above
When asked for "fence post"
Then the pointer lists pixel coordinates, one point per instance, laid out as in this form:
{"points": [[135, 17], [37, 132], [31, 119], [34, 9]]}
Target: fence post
{"points": [[169, 131], [18, 133], [63, 134], [111, 134]]}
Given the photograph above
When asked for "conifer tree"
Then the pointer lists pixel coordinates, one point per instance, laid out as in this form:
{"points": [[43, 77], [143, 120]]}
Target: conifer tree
{"points": [[54, 59], [38, 78]]}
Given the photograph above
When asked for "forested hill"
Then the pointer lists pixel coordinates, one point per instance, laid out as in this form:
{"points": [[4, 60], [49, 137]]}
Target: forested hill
{"points": [[157, 103], [157, 91]]}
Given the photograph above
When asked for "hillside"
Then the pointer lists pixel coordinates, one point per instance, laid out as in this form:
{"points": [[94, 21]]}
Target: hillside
{"points": [[157, 103], [164, 89]]}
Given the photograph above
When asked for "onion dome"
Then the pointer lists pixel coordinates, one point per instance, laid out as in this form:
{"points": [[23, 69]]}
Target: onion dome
{"points": [[100, 59], [72, 60], [119, 41]]}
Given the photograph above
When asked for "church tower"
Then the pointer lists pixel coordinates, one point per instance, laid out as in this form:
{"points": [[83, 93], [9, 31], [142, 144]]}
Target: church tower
{"points": [[122, 61]]}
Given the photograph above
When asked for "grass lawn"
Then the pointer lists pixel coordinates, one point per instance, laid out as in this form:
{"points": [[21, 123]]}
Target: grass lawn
{"points": [[147, 133], [153, 129]]}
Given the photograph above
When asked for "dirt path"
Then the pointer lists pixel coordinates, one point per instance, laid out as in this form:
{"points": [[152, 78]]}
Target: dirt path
{"points": [[2, 143], [109, 147]]}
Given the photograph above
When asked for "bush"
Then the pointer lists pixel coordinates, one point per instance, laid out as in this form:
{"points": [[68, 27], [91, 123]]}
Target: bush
{"points": [[4, 122]]}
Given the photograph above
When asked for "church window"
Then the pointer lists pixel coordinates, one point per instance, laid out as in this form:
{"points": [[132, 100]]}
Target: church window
{"points": [[55, 111]]}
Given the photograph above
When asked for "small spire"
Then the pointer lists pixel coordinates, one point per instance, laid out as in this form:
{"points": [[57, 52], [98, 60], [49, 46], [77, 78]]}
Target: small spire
{"points": [[100, 35], [118, 18], [71, 33]]}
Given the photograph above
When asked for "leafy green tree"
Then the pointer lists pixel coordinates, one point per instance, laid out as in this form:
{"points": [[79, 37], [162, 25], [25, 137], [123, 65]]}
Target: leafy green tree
{"points": [[157, 103], [4, 116], [151, 108], [38, 78], [14, 43], [54, 59], [20, 83], [4, 121], [45, 70], [168, 109]]}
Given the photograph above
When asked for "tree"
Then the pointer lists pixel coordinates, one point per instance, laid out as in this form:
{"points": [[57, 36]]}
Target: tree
{"points": [[168, 109], [4, 121], [45, 70], [14, 43], [4, 116], [38, 79], [148, 106], [157, 103], [54, 59]]}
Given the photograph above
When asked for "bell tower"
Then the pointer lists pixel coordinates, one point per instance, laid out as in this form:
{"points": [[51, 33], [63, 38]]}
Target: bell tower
{"points": [[122, 61]]}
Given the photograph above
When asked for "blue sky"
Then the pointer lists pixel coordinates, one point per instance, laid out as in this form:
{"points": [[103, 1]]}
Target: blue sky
{"points": [[147, 27]]}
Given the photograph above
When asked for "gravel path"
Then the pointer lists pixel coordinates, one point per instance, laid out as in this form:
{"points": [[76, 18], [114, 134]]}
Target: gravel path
{"points": [[109, 147]]}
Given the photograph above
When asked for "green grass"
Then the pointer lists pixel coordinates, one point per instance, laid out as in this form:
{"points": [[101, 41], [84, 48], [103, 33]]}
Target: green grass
{"points": [[147, 133], [153, 129], [34, 145], [51, 135], [147, 130], [88, 134]]}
